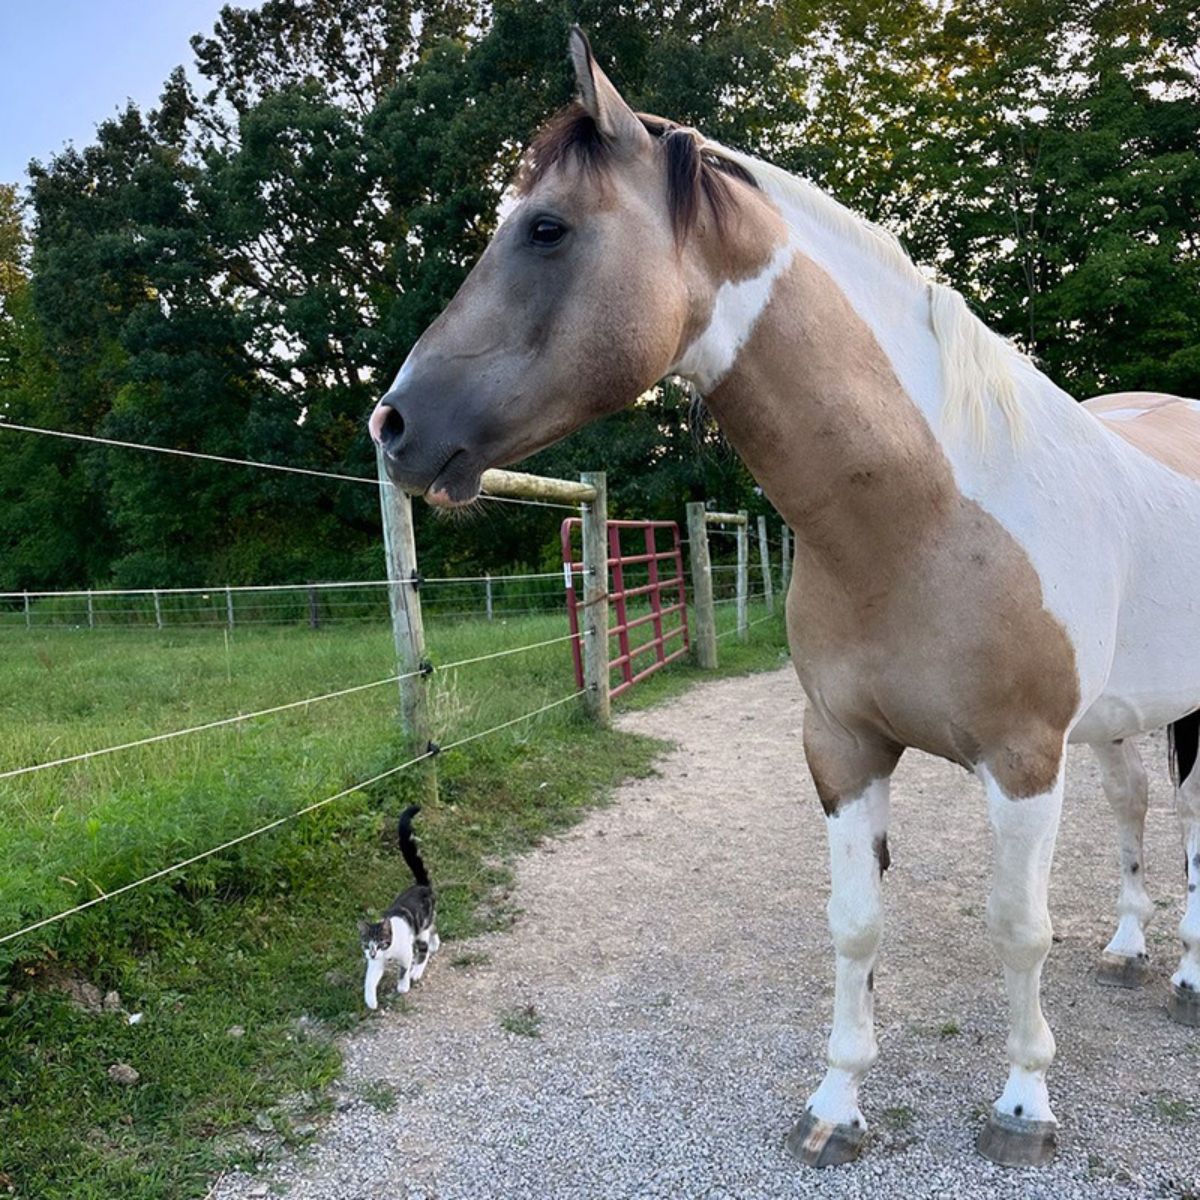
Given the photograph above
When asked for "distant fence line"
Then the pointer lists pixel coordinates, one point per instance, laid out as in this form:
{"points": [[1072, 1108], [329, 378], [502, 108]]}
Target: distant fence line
{"points": [[305, 605], [491, 597]]}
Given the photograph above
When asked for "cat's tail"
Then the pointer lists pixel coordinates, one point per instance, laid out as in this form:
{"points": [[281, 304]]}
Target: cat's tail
{"points": [[408, 847]]}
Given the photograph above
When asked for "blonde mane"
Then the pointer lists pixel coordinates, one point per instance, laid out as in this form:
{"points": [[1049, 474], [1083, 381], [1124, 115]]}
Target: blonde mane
{"points": [[978, 365]]}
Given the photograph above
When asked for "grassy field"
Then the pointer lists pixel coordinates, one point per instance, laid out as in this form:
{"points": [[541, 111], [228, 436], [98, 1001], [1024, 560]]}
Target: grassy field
{"points": [[245, 966]]}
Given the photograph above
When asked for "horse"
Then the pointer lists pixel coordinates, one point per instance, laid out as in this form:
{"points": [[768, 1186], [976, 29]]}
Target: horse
{"points": [[985, 569]]}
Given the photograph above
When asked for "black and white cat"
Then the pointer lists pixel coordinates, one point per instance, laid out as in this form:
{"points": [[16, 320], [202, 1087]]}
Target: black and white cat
{"points": [[406, 935]]}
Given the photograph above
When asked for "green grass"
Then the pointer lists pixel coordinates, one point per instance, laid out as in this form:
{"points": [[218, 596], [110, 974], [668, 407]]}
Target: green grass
{"points": [[261, 936]]}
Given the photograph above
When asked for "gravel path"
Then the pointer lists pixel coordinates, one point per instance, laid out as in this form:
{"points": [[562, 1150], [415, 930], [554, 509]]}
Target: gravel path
{"points": [[674, 952]]}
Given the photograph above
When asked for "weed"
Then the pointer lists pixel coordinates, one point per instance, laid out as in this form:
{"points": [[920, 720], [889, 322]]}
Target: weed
{"points": [[525, 1021], [899, 1118], [380, 1095], [470, 958]]}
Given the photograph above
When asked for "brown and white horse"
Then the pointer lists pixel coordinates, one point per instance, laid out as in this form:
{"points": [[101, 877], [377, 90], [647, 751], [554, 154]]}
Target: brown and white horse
{"points": [[985, 570]]}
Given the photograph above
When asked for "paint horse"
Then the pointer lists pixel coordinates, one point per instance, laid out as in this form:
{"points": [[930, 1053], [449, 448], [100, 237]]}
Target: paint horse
{"points": [[985, 569]]}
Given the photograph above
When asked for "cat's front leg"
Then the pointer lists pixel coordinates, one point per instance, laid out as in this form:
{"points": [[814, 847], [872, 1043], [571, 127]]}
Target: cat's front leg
{"points": [[371, 982]]}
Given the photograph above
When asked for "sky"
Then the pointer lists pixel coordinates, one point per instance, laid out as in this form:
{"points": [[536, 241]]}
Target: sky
{"points": [[66, 65]]}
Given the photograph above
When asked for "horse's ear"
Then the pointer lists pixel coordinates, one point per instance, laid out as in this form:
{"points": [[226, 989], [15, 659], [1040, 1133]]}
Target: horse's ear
{"points": [[617, 122]]}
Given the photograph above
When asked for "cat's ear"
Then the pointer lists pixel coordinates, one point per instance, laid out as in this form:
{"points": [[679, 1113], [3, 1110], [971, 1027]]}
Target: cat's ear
{"points": [[362, 929]]}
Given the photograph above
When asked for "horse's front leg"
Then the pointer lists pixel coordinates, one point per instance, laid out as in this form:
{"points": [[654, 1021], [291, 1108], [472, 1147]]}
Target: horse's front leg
{"points": [[1021, 1130], [852, 779]]}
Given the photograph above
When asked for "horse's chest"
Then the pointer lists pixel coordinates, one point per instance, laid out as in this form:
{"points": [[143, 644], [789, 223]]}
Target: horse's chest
{"points": [[951, 650]]}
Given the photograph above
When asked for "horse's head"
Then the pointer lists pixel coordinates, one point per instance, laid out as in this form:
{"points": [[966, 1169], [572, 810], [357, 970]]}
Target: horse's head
{"points": [[590, 291]]}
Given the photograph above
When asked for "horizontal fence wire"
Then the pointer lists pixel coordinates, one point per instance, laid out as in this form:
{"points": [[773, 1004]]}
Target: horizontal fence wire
{"points": [[265, 712], [220, 458], [749, 625], [248, 462], [533, 503], [308, 808]]}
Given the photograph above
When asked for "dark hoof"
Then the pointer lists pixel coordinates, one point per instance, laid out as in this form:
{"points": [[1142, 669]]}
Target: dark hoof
{"points": [[1184, 1005], [1015, 1142], [1119, 970], [816, 1143]]}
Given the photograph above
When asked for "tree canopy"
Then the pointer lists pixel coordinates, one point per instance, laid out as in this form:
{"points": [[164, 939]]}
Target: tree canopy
{"points": [[242, 268]]}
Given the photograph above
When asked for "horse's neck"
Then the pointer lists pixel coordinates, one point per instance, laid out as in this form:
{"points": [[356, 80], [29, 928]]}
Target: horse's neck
{"points": [[815, 408]]}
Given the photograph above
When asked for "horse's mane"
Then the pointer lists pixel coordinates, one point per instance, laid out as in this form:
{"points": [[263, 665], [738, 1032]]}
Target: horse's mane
{"points": [[978, 365]]}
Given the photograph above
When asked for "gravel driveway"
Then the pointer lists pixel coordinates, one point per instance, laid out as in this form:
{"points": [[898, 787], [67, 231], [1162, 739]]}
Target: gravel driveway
{"points": [[656, 1018]]}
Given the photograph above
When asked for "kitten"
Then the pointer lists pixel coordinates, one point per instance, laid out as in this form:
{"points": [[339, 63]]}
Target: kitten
{"points": [[406, 935]]}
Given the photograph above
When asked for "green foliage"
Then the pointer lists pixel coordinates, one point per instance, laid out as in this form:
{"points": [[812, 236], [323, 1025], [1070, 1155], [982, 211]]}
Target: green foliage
{"points": [[241, 270]]}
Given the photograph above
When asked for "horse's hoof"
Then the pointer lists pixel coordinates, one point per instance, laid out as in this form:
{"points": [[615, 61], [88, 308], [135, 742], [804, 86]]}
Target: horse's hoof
{"points": [[1184, 1005], [1121, 970], [817, 1143], [1016, 1142]]}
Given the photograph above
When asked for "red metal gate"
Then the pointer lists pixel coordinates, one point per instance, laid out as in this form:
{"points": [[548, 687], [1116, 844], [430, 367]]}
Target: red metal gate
{"points": [[666, 597]]}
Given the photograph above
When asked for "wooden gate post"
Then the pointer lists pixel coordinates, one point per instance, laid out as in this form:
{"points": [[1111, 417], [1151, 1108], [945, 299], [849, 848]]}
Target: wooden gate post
{"points": [[314, 609], [229, 606], [764, 558], [785, 558], [743, 574], [487, 583], [28, 617], [91, 611], [704, 631], [157, 610], [408, 630], [595, 600]]}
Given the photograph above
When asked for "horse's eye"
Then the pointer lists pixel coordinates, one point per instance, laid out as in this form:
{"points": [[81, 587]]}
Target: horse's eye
{"points": [[546, 231]]}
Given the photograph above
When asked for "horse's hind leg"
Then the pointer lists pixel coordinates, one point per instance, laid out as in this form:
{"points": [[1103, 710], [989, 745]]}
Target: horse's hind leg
{"points": [[1124, 962], [852, 780], [1185, 983]]}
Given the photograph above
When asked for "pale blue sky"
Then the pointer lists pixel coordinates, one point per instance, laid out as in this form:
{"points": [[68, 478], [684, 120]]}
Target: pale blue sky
{"points": [[66, 65]]}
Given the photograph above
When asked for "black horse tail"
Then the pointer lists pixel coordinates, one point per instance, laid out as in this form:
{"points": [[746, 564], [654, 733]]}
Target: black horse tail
{"points": [[408, 847], [1183, 740]]}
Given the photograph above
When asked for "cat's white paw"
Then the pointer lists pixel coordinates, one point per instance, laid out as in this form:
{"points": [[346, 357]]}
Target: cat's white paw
{"points": [[403, 985], [371, 1002]]}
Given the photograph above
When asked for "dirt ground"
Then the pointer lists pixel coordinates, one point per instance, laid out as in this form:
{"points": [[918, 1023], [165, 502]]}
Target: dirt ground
{"points": [[654, 1021]]}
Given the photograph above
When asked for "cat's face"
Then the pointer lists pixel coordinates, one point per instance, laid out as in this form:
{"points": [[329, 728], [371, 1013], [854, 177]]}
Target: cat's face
{"points": [[376, 937]]}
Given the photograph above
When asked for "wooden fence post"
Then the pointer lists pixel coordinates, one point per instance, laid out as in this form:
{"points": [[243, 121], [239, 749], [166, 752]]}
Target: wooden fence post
{"points": [[229, 606], [785, 558], [408, 631], [595, 600], [704, 631], [28, 616], [314, 610], [487, 583], [91, 611], [743, 575], [764, 558], [157, 610]]}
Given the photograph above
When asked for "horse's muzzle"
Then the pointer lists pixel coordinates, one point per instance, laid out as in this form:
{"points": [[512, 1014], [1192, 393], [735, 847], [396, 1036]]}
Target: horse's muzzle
{"points": [[431, 461]]}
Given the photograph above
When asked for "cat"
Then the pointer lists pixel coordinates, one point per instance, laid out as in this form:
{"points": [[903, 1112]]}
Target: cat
{"points": [[406, 935]]}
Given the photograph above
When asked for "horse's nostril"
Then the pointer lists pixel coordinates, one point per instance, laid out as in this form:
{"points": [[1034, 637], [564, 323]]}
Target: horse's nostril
{"points": [[391, 429]]}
